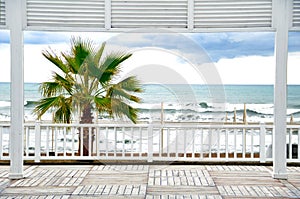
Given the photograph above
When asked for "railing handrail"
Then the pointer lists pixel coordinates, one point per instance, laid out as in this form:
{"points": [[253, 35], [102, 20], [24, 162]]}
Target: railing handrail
{"points": [[217, 141], [157, 124]]}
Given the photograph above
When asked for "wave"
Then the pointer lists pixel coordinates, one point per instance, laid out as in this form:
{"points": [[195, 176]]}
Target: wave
{"points": [[196, 111], [5, 104], [204, 107], [28, 104]]}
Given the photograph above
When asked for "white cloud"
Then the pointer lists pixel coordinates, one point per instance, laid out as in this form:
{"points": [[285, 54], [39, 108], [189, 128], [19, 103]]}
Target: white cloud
{"points": [[247, 70], [241, 70], [256, 69], [37, 67], [154, 65], [294, 68], [5, 63]]}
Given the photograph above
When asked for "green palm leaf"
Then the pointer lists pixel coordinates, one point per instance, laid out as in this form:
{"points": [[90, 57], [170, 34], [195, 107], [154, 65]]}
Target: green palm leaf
{"points": [[56, 60], [111, 66], [121, 109], [85, 84]]}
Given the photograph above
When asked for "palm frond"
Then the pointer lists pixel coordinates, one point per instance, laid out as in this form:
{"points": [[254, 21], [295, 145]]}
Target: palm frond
{"points": [[50, 89], [103, 104], [130, 84], [70, 61], [119, 93], [56, 60], [81, 50], [64, 112], [87, 82], [66, 83], [61, 105], [45, 104], [121, 109], [99, 54], [111, 66]]}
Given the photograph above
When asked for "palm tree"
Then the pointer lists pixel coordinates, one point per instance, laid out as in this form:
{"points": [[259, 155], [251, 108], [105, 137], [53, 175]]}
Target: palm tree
{"points": [[86, 82]]}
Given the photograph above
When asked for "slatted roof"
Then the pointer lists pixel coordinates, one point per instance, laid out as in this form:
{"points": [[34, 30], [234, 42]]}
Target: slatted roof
{"points": [[296, 14], [2, 14], [179, 15], [233, 14]]}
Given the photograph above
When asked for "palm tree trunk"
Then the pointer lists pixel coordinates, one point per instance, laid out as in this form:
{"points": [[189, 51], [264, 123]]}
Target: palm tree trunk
{"points": [[87, 118]]}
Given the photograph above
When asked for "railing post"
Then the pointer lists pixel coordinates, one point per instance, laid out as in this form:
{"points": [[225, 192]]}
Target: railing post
{"points": [[150, 142], [262, 143], [37, 152], [1, 143]]}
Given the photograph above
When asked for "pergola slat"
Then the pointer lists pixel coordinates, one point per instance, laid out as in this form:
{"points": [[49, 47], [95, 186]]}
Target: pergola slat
{"points": [[149, 13], [233, 14], [65, 13], [2, 14], [296, 14], [203, 15]]}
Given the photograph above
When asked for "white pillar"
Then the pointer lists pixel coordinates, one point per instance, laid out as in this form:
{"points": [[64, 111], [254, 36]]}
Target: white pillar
{"points": [[14, 14], [280, 92]]}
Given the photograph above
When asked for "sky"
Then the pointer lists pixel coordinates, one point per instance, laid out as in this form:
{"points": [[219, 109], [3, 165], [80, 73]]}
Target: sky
{"points": [[227, 58]]}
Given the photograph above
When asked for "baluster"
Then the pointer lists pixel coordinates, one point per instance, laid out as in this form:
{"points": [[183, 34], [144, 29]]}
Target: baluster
{"points": [[235, 143], [176, 142], [73, 140], [106, 141], [226, 144], [299, 144], [37, 152], [1, 142], [27, 141], [56, 143], [65, 141], [193, 143], [81, 141], [210, 131], [244, 143], [290, 145], [123, 141], [150, 142], [168, 142], [90, 141], [252, 143], [201, 143], [218, 144], [262, 143], [47, 141], [141, 141], [116, 141], [131, 142], [184, 142]]}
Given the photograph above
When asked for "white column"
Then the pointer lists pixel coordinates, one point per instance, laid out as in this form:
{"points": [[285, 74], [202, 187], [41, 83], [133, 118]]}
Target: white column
{"points": [[107, 14], [14, 14], [280, 92], [190, 15]]}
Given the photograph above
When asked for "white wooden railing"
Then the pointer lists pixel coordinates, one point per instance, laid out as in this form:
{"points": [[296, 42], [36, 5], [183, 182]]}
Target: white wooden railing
{"points": [[151, 142]]}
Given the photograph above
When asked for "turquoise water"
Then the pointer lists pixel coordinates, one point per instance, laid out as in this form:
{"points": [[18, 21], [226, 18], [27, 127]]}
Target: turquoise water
{"points": [[186, 102]]}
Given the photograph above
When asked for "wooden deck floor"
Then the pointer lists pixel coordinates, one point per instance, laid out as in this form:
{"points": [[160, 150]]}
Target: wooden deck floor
{"points": [[149, 181]]}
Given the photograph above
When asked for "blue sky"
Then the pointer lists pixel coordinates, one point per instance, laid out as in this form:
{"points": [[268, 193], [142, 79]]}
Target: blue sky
{"points": [[224, 49], [217, 45]]}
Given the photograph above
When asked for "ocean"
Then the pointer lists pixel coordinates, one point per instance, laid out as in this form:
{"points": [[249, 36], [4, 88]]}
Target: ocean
{"points": [[185, 103]]}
